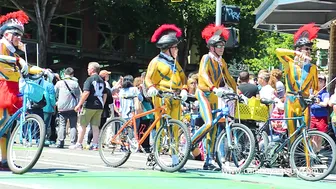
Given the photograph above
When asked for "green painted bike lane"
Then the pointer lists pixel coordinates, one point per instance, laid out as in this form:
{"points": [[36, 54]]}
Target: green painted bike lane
{"points": [[155, 180]]}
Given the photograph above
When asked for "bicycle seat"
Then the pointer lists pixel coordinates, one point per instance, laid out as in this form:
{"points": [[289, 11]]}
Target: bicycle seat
{"points": [[129, 97], [191, 99], [267, 101]]}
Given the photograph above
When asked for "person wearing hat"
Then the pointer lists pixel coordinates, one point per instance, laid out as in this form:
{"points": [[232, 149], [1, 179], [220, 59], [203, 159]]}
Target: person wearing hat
{"points": [[11, 66], [300, 74], [212, 71], [165, 73]]}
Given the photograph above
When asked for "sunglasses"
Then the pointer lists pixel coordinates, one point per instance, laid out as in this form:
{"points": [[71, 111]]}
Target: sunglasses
{"points": [[307, 49], [219, 46]]}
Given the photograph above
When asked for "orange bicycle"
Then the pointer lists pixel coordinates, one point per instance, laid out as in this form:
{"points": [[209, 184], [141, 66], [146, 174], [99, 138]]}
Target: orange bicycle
{"points": [[119, 138]]}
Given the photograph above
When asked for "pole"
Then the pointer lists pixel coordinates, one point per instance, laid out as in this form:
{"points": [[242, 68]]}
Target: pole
{"points": [[25, 52], [218, 12], [37, 55]]}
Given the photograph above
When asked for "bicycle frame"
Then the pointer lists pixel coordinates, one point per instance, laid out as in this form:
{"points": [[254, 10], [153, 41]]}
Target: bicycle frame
{"points": [[9, 123], [20, 112], [132, 122], [223, 113]]}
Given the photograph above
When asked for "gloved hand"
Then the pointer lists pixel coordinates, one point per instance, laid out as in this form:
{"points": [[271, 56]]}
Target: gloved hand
{"points": [[218, 92], [24, 66], [152, 91], [184, 95]]}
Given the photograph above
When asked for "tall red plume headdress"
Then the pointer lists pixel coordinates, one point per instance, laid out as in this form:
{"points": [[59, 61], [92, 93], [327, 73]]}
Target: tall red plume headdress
{"points": [[210, 32], [166, 35], [13, 21], [306, 34]]}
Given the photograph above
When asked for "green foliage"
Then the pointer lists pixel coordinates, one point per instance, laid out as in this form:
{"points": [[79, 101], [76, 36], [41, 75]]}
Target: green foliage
{"points": [[139, 18], [265, 57]]}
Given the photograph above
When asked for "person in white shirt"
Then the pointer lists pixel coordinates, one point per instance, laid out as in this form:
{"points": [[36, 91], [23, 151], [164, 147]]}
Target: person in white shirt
{"points": [[267, 91]]}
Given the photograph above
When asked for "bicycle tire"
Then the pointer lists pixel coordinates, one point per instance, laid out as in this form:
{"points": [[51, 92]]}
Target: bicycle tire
{"points": [[10, 156], [251, 155], [101, 143], [333, 161], [182, 127]]}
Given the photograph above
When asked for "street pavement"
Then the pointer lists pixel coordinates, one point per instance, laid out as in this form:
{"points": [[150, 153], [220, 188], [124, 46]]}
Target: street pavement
{"points": [[64, 168]]}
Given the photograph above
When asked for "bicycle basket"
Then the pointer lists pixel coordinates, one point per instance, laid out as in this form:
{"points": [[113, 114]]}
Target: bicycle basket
{"points": [[252, 111], [33, 91]]}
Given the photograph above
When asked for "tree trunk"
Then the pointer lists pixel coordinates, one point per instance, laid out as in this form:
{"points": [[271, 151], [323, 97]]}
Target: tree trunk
{"points": [[332, 55]]}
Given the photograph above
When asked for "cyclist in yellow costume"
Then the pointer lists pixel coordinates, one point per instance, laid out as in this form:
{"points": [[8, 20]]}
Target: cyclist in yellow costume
{"points": [[11, 30], [300, 74], [165, 73], [212, 70]]}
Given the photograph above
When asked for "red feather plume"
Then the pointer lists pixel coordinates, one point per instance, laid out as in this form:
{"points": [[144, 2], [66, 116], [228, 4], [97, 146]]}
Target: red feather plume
{"points": [[308, 29], [18, 15], [165, 27], [209, 31]]}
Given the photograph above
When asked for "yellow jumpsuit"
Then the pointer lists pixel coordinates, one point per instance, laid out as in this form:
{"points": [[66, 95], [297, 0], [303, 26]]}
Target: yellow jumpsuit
{"points": [[211, 72], [297, 79], [167, 75]]}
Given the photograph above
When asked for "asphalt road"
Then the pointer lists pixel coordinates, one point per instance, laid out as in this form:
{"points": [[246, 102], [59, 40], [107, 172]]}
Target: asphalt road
{"points": [[64, 168]]}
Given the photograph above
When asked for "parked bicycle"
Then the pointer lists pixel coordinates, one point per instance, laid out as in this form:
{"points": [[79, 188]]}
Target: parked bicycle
{"points": [[312, 155]]}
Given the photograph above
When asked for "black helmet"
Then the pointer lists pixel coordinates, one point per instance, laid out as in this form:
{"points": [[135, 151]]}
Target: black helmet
{"points": [[305, 35], [166, 36], [214, 34], [303, 42], [216, 38], [167, 40]]}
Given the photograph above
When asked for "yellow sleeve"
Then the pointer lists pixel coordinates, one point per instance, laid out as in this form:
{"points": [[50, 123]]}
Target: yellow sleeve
{"points": [[204, 70], [283, 56], [182, 75], [151, 74], [229, 79], [315, 80]]}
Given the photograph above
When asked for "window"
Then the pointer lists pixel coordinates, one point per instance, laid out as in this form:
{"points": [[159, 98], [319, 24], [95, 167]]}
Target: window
{"points": [[66, 31], [108, 40]]}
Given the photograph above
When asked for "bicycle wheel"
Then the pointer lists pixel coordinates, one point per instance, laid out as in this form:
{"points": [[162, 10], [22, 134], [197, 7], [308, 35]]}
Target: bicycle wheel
{"points": [[236, 157], [26, 144], [172, 145], [316, 165], [262, 142], [114, 153]]}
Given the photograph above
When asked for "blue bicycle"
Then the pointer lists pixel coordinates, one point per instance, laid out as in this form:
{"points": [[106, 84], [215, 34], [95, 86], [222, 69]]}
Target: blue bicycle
{"points": [[234, 146], [26, 140]]}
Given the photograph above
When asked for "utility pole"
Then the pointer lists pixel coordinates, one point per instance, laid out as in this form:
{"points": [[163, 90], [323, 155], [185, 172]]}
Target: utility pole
{"points": [[218, 12]]}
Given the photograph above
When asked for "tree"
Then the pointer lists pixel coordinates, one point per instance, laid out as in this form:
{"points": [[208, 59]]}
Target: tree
{"points": [[44, 12]]}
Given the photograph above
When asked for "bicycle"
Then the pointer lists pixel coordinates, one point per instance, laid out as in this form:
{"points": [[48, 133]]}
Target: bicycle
{"points": [[229, 147], [277, 153], [118, 131], [29, 128]]}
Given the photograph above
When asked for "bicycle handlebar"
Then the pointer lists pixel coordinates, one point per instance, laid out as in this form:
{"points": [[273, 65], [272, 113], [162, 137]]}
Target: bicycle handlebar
{"points": [[168, 94], [232, 96]]}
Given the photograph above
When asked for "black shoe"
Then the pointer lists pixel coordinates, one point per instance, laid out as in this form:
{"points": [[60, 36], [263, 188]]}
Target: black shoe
{"points": [[60, 146], [5, 167], [182, 170], [210, 166]]}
